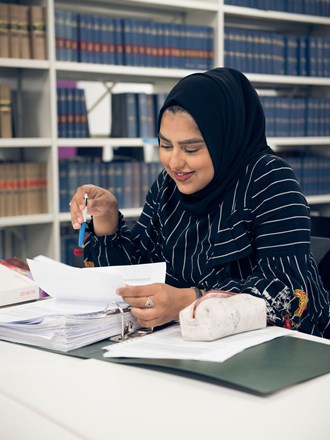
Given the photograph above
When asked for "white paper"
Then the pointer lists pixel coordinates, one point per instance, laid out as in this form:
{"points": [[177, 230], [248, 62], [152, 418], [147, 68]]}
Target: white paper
{"points": [[50, 307], [93, 283], [75, 314], [169, 344]]}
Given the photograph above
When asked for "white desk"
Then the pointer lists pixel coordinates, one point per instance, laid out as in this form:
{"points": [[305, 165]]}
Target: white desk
{"points": [[48, 396]]}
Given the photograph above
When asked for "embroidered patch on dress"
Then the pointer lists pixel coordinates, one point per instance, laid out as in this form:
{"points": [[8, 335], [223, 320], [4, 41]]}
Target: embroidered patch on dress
{"points": [[303, 300]]}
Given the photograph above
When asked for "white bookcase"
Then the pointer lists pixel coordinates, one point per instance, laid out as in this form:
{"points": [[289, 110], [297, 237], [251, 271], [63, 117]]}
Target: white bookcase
{"points": [[40, 234]]}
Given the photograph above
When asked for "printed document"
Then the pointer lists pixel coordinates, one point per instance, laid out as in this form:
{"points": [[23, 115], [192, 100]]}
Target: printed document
{"points": [[83, 306], [169, 344]]}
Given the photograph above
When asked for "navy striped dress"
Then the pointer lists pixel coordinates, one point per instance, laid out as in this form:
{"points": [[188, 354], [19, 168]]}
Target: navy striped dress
{"points": [[257, 241]]}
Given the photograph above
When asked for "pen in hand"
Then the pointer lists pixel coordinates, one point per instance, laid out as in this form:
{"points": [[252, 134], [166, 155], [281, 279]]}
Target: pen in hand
{"points": [[83, 225]]}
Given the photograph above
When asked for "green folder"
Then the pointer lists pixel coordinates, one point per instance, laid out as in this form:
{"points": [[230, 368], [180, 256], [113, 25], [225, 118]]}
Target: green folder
{"points": [[261, 370]]}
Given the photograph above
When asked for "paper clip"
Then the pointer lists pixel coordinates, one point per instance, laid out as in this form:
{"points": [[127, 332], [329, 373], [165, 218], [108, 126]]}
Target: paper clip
{"points": [[127, 329]]}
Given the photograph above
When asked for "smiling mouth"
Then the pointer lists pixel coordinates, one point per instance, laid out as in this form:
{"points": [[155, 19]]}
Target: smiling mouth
{"points": [[182, 177]]}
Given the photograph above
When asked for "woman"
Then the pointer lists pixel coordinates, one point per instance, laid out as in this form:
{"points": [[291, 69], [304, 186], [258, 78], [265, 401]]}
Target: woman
{"points": [[225, 213]]}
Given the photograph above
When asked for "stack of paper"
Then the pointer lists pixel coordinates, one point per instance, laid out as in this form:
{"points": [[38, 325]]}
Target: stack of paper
{"points": [[83, 307]]}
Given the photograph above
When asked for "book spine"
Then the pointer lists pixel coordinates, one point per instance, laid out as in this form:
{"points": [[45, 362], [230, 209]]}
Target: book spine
{"points": [[4, 31], [5, 112], [14, 33], [38, 32], [24, 26]]}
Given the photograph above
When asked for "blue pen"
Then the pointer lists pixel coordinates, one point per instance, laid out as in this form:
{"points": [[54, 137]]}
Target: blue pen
{"points": [[83, 225]]}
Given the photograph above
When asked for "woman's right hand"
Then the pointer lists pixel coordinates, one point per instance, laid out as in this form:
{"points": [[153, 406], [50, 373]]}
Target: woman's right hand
{"points": [[102, 205]]}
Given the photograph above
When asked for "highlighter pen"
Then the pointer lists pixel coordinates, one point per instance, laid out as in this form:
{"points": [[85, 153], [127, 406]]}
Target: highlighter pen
{"points": [[83, 225]]}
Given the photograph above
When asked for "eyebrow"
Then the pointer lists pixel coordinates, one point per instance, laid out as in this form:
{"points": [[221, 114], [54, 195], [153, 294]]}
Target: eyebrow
{"points": [[184, 142]]}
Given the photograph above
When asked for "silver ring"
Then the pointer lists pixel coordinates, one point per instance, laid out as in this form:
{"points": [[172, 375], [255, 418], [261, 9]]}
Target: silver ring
{"points": [[149, 303]]}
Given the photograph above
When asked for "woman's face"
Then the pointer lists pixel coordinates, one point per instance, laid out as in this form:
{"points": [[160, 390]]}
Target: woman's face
{"points": [[184, 153]]}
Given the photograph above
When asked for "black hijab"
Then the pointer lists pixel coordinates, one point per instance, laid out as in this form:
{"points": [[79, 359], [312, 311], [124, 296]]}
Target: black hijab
{"points": [[230, 117]]}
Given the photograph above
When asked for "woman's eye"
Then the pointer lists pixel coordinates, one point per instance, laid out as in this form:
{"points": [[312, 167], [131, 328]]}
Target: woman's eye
{"points": [[165, 146], [191, 150]]}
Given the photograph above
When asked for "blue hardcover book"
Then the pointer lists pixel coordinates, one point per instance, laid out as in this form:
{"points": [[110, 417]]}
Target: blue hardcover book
{"points": [[145, 115], [96, 39], [61, 113], [138, 43], [128, 41], [76, 107], [83, 115], [119, 40], [90, 39], [267, 103], [302, 57], [130, 115], [142, 115], [59, 35], [63, 181], [108, 40], [210, 47], [229, 58], [159, 99], [173, 53], [82, 38], [118, 183], [104, 48], [69, 98], [68, 36], [291, 55]]}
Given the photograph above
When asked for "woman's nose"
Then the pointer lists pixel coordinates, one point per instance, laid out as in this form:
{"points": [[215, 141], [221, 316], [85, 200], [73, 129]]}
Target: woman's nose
{"points": [[176, 160]]}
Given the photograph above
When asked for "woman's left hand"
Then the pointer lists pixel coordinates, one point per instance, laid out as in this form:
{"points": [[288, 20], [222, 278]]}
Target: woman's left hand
{"points": [[156, 304]]}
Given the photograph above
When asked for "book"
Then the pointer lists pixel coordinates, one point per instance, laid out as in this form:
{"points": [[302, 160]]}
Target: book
{"points": [[4, 30], [24, 26], [5, 112], [38, 32], [14, 31], [82, 308], [16, 287]]}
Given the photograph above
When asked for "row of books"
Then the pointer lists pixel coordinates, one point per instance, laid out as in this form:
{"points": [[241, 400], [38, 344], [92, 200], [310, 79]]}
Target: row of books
{"points": [[128, 180], [23, 188], [135, 114], [310, 7], [6, 130], [277, 54], [296, 116], [135, 42], [22, 31], [72, 120], [312, 171]]}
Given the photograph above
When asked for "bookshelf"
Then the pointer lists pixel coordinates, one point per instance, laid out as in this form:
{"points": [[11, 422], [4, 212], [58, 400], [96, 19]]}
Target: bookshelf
{"points": [[36, 80]]}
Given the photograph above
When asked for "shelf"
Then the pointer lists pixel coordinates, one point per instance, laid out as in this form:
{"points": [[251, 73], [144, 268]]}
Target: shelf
{"points": [[18, 63], [101, 72], [318, 200], [298, 141], [281, 16], [25, 142], [25, 220], [104, 142], [181, 5], [260, 79]]}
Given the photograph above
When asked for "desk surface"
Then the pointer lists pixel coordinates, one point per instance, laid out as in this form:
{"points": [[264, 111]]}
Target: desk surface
{"points": [[48, 396]]}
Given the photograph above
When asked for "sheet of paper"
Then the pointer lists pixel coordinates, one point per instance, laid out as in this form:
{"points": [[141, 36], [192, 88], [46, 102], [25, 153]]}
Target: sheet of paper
{"points": [[169, 344], [92, 284]]}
